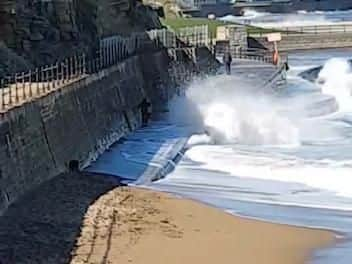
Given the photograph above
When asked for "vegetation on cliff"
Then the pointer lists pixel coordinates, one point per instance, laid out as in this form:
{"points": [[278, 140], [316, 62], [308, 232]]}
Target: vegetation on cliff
{"points": [[34, 33]]}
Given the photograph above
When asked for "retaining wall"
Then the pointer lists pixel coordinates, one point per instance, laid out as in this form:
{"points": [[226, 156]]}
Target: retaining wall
{"points": [[78, 122], [311, 41], [39, 139]]}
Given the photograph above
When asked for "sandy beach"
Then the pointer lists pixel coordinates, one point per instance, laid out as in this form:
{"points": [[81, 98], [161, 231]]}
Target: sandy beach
{"points": [[139, 226], [79, 218]]}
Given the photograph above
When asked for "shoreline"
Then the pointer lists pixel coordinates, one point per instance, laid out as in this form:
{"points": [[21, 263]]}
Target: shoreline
{"points": [[338, 237], [289, 244], [83, 218]]}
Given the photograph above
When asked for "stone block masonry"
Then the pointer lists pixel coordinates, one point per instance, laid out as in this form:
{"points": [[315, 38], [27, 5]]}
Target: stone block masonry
{"points": [[40, 138]]}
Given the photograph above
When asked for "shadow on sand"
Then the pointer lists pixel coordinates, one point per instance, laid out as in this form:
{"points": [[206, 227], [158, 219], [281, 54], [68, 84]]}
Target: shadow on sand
{"points": [[43, 226]]}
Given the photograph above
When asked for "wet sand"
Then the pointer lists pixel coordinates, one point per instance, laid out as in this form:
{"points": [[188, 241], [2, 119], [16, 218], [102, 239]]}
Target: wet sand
{"points": [[78, 218], [139, 226]]}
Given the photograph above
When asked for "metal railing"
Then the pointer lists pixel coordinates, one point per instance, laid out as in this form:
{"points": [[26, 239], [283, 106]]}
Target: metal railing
{"points": [[25, 86], [260, 55], [163, 37], [21, 87], [312, 30], [195, 36], [318, 29]]}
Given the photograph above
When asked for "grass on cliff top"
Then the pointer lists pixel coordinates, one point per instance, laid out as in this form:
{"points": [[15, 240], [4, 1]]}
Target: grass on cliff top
{"points": [[177, 23]]}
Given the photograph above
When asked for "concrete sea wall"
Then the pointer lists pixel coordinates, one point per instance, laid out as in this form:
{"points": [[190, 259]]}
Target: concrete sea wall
{"points": [[311, 41], [39, 139]]}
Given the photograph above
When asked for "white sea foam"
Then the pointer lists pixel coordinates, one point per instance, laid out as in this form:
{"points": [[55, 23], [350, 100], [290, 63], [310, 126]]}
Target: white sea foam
{"points": [[336, 77], [234, 114], [289, 140], [323, 174], [301, 18]]}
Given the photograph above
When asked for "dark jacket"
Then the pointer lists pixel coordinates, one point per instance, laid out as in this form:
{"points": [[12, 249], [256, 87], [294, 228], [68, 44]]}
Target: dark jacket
{"points": [[227, 59]]}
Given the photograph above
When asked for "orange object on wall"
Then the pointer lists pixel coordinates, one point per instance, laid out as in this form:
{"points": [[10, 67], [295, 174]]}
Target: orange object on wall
{"points": [[275, 57]]}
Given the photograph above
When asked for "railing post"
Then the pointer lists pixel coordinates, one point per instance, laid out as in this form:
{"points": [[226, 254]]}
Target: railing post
{"points": [[37, 80], [60, 76], [2, 87], [70, 68], [107, 54], [75, 66], [79, 65], [103, 55], [45, 80], [110, 52], [23, 81], [84, 64], [119, 50], [56, 77], [42, 79], [30, 84], [100, 57], [16, 87], [114, 51], [47, 73], [65, 71], [52, 77], [10, 91], [164, 38]]}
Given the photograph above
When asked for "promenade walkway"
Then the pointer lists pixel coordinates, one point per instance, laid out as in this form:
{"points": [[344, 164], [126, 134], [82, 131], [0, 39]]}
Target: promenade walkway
{"points": [[19, 93]]}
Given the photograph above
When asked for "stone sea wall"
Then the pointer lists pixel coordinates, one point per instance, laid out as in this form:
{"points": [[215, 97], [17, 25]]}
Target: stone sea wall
{"points": [[76, 123]]}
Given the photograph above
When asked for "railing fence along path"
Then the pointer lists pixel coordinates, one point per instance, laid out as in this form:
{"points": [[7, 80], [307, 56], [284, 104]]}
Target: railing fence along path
{"points": [[25, 86], [22, 87], [312, 30], [260, 55]]}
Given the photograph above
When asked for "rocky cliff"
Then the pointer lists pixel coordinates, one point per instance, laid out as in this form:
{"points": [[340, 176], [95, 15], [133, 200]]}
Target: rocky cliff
{"points": [[39, 32]]}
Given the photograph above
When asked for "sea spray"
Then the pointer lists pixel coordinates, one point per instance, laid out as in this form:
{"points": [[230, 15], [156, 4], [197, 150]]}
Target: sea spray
{"points": [[232, 111], [301, 18], [336, 80]]}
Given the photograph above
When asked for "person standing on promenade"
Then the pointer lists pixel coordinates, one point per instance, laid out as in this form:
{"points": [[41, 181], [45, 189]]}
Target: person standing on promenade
{"points": [[145, 111], [227, 60]]}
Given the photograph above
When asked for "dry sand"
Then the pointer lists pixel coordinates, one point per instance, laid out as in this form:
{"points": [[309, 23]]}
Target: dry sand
{"points": [[129, 225]]}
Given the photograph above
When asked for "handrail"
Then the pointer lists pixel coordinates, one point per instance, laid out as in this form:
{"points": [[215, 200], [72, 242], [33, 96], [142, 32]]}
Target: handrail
{"points": [[22, 87], [261, 55], [314, 29]]}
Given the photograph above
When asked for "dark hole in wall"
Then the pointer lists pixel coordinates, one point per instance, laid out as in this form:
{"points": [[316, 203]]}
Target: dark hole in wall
{"points": [[73, 165]]}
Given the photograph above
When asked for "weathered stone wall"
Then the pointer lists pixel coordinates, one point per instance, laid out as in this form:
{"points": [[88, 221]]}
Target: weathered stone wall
{"points": [[42, 32], [39, 139]]}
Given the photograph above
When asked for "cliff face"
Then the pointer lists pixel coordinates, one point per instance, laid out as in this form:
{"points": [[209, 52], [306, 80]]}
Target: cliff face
{"points": [[40, 32]]}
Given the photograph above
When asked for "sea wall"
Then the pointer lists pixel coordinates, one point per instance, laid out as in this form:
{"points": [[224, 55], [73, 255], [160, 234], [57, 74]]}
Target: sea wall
{"points": [[39, 139], [74, 124], [311, 41]]}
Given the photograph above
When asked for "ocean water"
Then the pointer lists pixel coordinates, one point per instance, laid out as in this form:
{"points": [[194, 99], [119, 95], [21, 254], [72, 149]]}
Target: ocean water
{"points": [[301, 18], [284, 157]]}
